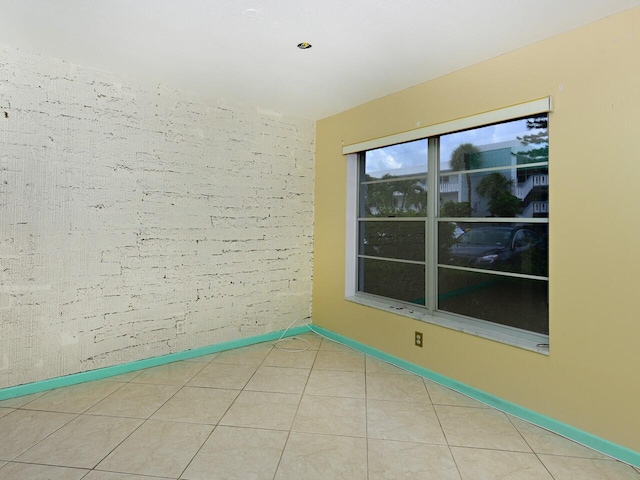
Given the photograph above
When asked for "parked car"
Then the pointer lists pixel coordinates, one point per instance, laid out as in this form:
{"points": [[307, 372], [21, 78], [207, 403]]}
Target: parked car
{"points": [[502, 248]]}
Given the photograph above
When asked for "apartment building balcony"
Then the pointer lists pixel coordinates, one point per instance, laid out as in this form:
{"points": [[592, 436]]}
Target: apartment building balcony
{"points": [[523, 189]]}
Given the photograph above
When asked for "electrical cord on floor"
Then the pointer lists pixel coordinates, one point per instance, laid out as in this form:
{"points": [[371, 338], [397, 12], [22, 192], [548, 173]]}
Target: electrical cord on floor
{"points": [[308, 345], [283, 339]]}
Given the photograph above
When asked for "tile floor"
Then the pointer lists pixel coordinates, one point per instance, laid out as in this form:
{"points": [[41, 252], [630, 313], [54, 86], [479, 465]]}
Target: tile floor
{"points": [[263, 413]]}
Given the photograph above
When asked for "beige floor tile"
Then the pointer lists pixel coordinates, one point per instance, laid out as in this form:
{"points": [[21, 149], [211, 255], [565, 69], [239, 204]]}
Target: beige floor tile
{"points": [[22, 429], [312, 339], [349, 361], [251, 355], [2, 464], [81, 443], [479, 464], [480, 428], [280, 358], [26, 471], [331, 346], [390, 460], [75, 398], [18, 402], [262, 410], [396, 388], [410, 422], [5, 411], [135, 400], [331, 415], [217, 375], [544, 441], [333, 383], [238, 453], [95, 475], [279, 380], [378, 366], [124, 377], [293, 345], [572, 468], [197, 405], [177, 373], [157, 448], [445, 396], [322, 457]]}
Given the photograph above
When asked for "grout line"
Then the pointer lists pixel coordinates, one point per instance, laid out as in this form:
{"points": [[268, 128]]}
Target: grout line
{"points": [[47, 436], [290, 430], [295, 415]]}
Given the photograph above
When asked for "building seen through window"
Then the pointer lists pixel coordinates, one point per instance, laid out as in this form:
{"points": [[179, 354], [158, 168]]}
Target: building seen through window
{"points": [[488, 259]]}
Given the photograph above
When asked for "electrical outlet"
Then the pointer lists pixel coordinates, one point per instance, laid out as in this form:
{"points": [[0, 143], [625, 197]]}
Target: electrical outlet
{"points": [[180, 327], [418, 339]]}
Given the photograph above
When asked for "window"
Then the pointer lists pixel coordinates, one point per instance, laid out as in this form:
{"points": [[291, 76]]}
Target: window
{"points": [[392, 212], [454, 226]]}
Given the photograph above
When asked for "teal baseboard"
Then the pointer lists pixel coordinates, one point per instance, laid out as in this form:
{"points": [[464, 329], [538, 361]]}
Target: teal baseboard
{"points": [[97, 374], [585, 438]]}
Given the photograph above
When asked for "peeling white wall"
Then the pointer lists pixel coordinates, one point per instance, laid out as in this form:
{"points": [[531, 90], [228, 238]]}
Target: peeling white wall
{"points": [[130, 213]]}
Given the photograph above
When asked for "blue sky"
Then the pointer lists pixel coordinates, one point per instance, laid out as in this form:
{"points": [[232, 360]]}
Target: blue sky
{"points": [[415, 153]]}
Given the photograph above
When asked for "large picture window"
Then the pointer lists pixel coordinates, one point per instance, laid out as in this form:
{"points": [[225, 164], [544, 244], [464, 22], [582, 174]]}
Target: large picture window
{"points": [[457, 224]]}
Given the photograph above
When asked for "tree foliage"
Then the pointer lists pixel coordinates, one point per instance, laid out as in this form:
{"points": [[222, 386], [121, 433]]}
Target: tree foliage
{"points": [[540, 124], [466, 156], [395, 197], [455, 209], [497, 188]]}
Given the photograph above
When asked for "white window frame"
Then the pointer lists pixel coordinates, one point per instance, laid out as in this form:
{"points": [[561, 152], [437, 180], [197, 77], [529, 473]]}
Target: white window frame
{"points": [[501, 333]]}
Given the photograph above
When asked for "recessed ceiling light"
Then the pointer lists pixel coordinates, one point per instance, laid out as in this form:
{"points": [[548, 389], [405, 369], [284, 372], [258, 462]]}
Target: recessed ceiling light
{"points": [[304, 45]]}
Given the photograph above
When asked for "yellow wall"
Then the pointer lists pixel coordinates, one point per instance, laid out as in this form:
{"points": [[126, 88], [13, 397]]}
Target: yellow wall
{"points": [[591, 379]]}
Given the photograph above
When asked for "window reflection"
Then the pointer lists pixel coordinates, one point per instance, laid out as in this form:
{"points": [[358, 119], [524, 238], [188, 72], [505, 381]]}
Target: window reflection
{"points": [[396, 160], [512, 162], [521, 193], [492, 195], [398, 240], [515, 302], [394, 198], [400, 281], [507, 247]]}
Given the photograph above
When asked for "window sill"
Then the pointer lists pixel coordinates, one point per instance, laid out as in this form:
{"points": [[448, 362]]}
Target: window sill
{"points": [[497, 333]]}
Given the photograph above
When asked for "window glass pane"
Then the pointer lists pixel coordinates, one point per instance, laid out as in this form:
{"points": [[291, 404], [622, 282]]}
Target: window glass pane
{"points": [[399, 160], [395, 198], [506, 247], [510, 143], [516, 302], [400, 281], [496, 171], [522, 192], [401, 240]]}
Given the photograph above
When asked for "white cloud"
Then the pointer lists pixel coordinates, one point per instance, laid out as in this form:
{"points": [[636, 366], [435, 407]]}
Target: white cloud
{"points": [[391, 162]]}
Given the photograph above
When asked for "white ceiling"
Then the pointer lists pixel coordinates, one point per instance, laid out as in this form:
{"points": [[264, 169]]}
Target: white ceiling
{"points": [[245, 50]]}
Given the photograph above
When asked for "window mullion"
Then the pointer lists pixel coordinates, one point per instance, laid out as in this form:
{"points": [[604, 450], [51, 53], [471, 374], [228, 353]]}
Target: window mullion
{"points": [[431, 252]]}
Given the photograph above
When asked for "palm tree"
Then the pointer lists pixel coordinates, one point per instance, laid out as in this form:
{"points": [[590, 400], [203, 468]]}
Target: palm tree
{"points": [[395, 197], [466, 156], [379, 197], [414, 197], [497, 188]]}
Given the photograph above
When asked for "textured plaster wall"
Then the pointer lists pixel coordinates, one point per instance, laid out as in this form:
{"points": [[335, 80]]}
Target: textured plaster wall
{"points": [[590, 379], [136, 221]]}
